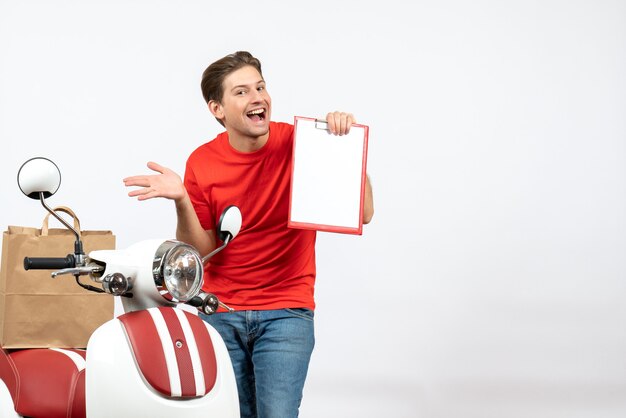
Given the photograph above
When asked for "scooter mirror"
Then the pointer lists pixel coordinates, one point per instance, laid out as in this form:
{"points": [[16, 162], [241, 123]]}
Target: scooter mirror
{"points": [[227, 229], [39, 175], [229, 224]]}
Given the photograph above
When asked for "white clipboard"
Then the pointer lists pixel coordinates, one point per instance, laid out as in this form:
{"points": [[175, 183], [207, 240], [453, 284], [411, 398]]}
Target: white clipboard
{"points": [[328, 177]]}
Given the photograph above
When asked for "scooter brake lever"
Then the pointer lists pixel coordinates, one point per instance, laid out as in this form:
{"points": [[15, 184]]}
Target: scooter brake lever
{"points": [[77, 271], [228, 308]]}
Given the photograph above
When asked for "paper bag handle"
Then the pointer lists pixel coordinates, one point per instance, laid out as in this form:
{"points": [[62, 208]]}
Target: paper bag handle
{"points": [[64, 209]]}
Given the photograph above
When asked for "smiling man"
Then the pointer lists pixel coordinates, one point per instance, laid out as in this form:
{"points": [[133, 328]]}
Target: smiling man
{"points": [[267, 274]]}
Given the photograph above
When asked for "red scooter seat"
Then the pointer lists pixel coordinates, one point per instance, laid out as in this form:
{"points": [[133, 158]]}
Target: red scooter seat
{"points": [[45, 382]]}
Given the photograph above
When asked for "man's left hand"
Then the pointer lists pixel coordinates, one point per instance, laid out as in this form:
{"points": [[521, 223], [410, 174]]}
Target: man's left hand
{"points": [[339, 123]]}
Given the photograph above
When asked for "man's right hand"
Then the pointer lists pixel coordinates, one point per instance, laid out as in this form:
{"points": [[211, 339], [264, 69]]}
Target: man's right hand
{"points": [[166, 184]]}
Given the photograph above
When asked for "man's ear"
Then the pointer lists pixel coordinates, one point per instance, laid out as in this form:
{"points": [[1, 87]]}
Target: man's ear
{"points": [[216, 109]]}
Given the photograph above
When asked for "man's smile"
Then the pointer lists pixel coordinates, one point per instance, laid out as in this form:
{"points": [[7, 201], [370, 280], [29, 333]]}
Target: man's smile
{"points": [[257, 115]]}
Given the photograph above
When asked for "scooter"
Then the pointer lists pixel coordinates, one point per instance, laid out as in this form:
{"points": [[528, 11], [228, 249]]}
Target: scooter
{"points": [[154, 360]]}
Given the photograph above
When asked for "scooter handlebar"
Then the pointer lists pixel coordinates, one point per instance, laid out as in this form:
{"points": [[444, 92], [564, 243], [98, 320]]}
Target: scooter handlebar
{"points": [[49, 263], [195, 302], [205, 302]]}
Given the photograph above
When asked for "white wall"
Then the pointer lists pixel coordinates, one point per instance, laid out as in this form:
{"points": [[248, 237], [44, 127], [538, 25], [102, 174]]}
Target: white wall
{"points": [[491, 282]]}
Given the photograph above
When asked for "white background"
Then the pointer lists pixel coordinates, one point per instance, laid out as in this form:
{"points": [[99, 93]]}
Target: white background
{"points": [[492, 280]]}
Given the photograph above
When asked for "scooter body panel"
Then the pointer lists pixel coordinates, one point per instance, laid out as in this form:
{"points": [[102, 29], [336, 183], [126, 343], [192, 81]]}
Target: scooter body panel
{"points": [[116, 387], [132, 262], [7, 408]]}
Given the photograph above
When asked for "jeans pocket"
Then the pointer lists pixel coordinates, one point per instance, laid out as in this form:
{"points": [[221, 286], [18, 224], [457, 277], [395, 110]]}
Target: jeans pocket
{"points": [[303, 313]]}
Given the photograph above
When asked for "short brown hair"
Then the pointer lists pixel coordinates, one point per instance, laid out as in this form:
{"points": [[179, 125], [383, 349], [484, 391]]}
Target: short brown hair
{"points": [[215, 73]]}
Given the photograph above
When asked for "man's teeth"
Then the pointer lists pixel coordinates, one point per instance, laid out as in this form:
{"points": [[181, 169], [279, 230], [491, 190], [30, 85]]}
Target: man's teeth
{"points": [[256, 112]]}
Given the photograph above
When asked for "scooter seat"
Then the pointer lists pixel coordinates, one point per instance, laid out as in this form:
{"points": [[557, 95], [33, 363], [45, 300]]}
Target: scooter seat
{"points": [[45, 382]]}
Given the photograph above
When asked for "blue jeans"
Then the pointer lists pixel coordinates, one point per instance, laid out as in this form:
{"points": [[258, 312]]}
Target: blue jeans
{"points": [[270, 352]]}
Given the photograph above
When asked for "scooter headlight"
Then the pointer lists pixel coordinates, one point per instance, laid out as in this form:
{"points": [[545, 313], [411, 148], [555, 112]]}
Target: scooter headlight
{"points": [[177, 271]]}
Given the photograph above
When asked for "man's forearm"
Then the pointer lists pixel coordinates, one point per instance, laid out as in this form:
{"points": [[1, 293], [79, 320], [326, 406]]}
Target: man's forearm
{"points": [[189, 229]]}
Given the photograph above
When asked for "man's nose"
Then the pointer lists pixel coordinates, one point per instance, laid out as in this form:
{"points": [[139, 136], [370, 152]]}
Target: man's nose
{"points": [[257, 96]]}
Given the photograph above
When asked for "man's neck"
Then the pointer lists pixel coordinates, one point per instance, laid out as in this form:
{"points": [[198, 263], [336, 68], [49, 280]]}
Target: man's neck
{"points": [[247, 143]]}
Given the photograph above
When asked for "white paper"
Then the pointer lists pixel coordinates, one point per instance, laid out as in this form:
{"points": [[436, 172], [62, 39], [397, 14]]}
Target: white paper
{"points": [[327, 176]]}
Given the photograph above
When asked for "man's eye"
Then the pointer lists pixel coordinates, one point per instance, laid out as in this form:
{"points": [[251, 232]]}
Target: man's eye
{"points": [[260, 88], [240, 93]]}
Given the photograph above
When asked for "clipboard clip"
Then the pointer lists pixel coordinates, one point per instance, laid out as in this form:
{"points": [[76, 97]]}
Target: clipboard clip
{"points": [[321, 124]]}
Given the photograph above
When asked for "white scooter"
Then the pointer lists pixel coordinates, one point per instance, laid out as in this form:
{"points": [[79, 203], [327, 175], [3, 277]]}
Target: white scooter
{"points": [[154, 360]]}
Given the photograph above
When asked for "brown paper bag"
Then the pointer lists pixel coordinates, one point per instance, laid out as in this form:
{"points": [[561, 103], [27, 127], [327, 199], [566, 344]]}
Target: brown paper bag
{"points": [[37, 310]]}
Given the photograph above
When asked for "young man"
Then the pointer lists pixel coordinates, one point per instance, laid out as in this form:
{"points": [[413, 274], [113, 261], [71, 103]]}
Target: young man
{"points": [[267, 274]]}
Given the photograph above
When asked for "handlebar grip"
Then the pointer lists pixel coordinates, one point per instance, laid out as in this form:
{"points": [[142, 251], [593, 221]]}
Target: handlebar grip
{"points": [[195, 301], [49, 263]]}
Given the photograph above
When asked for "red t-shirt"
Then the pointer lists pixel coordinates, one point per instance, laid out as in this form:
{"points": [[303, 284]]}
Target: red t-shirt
{"points": [[267, 266]]}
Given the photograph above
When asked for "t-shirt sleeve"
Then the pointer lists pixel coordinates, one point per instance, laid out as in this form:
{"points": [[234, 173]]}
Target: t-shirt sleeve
{"points": [[198, 199]]}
